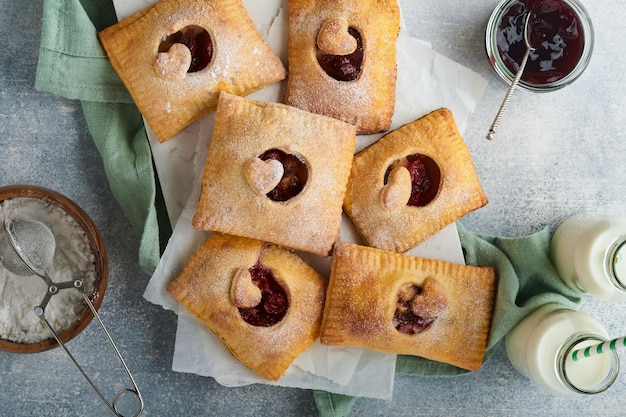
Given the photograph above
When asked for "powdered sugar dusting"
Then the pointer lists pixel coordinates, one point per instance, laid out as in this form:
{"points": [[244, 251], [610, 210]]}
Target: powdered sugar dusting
{"points": [[436, 137], [73, 259], [244, 129], [204, 287], [362, 298], [367, 102]]}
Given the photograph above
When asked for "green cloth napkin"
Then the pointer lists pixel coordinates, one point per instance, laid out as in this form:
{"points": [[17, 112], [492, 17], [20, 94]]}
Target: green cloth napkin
{"points": [[73, 64], [527, 280]]}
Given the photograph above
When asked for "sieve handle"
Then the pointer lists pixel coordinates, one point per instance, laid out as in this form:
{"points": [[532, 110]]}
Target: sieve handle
{"points": [[113, 405]]}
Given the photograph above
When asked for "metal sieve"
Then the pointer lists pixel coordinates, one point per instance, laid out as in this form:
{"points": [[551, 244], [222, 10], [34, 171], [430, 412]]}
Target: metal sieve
{"points": [[27, 247]]}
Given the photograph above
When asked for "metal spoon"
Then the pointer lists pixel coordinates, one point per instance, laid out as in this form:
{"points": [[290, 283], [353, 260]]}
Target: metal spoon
{"points": [[518, 75], [27, 247]]}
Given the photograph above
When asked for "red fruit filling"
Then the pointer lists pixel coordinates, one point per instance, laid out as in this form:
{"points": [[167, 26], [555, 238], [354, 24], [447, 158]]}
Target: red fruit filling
{"points": [[343, 67], [557, 37], [425, 178], [409, 323], [274, 301], [294, 177], [404, 320], [197, 40]]}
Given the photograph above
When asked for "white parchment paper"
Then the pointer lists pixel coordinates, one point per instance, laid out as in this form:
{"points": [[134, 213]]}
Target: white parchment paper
{"points": [[426, 82]]}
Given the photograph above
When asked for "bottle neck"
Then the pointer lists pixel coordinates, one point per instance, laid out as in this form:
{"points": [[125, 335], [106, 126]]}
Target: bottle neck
{"points": [[591, 375], [615, 263]]}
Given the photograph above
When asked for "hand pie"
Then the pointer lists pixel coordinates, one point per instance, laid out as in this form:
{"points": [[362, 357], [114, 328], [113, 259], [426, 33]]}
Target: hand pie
{"points": [[342, 60], [275, 173], [401, 304], [261, 300], [176, 55], [412, 183]]}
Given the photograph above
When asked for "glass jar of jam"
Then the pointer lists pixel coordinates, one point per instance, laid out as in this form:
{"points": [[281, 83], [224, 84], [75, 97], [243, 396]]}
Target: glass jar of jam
{"points": [[560, 33]]}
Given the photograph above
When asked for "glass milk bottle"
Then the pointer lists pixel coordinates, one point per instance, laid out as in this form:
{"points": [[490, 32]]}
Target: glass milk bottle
{"points": [[540, 348], [589, 252]]}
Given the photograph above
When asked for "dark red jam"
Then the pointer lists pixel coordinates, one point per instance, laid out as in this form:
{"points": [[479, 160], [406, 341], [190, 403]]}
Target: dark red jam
{"points": [[274, 301], [197, 40], [409, 323], [404, 320], [425, 178], [344, 67], [556, 35], [294, 177]]}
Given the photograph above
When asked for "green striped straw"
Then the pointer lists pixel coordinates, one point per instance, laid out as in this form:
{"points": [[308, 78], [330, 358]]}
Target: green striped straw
{"points": [[614, 344]]}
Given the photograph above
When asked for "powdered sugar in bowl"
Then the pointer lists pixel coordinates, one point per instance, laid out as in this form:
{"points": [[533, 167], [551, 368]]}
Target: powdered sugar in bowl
{"points": [[80, 253]]}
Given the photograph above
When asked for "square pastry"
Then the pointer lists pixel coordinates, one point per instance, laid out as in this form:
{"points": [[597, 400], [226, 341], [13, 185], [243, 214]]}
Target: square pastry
{"points": [[175, 56], [400, 304], [412, 183], [342, 60], [261, 300], [275, 173]]}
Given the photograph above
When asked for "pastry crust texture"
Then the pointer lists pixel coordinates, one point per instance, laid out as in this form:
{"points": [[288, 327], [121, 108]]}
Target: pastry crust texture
{"points": [[242, 62], [367, 102], [363, 293], [230, 202], [403, 227], [204, 289]]}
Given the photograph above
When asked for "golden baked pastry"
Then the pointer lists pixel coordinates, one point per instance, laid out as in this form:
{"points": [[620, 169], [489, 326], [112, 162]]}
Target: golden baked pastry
{"points": [[173, 87], [412, 183], [395, 303], [261, 300], [342, 60], [294, 203]]}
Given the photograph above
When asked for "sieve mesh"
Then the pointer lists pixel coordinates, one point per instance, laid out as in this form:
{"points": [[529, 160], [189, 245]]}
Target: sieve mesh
{"points": [[26, 247]]}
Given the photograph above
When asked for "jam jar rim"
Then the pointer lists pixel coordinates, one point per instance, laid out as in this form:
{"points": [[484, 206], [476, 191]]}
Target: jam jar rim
{"points": [[507, 76]]}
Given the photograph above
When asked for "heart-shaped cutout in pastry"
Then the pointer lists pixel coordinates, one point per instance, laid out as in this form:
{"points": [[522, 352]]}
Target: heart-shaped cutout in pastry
{"points": [[419, 306], [274, 302], [334, 39], [397, 192], [174, 63], [244, 293], [431, 301], [264, 175]]}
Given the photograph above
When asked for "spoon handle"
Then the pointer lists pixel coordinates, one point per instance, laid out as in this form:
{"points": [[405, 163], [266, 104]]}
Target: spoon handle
{"points": [[507, 97], [518, 76]]}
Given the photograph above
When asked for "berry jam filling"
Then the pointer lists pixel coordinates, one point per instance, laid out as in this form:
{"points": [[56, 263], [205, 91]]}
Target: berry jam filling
{"points": [[556, 34], [274, 301], [197, 40], [294, 177], [343, 67], [404, 320], [425, 178]]}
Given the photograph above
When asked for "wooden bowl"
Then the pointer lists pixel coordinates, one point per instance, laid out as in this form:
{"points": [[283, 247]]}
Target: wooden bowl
{"points": [[97, 247]]}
